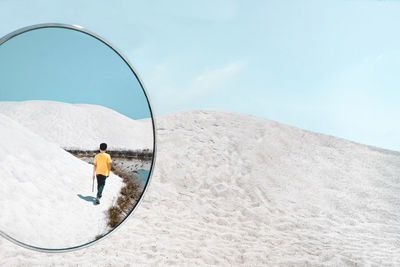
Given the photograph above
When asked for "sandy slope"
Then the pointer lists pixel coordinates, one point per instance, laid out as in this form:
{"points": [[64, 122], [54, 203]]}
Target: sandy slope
{"points": [[232, 189], [80, 126], [40, 183]]}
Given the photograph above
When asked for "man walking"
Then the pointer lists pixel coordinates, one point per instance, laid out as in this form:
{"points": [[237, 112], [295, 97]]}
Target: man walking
{"points": [[101, 168]]}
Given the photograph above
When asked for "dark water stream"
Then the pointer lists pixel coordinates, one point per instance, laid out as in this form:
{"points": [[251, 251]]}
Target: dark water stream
{"points": [[143, 176]]}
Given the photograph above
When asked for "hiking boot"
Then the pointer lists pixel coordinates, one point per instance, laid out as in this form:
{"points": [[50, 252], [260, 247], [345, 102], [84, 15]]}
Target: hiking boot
{"points": [[97, 200]]}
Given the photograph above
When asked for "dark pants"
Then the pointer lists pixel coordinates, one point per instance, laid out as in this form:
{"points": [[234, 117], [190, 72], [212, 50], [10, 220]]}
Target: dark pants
{"points": [[101, 181]]}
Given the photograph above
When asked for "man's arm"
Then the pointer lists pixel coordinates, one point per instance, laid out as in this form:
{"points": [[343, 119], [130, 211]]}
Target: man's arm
{"points": [[94, 166], [109, 168], [94, 170]]}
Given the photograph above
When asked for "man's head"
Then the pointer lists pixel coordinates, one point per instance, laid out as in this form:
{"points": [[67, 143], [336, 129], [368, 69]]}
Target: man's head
{"points": [[103, 147]]}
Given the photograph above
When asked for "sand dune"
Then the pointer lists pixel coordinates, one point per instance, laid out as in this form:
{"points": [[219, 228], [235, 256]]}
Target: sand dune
{"points": [[233, 189], [80, 126], [40, 188]]}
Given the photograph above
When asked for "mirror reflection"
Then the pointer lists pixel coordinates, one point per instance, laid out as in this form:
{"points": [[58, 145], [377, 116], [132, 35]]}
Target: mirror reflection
{"points": [[76, 135]]}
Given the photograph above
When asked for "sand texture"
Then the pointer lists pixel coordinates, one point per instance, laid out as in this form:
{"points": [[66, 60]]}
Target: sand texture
{"points": [[233, 189]]}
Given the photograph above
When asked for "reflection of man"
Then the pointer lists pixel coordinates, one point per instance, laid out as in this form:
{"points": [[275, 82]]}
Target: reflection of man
{"points": [[102, 167]]}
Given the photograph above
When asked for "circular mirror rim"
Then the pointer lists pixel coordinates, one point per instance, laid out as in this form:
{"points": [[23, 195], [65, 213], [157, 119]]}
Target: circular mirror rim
{"points": [[83, 30]]}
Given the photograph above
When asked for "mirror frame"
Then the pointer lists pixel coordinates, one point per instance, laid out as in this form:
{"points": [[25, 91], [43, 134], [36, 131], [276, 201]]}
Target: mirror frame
{"points": [[134, 72]]}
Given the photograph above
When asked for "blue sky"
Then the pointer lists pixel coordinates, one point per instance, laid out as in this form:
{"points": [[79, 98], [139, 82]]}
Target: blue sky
{"points": [[65, 65], [326, 66]]}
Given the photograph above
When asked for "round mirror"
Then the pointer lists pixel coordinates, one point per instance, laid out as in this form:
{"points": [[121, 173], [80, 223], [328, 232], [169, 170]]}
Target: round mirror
{"points": [[76, 134]]}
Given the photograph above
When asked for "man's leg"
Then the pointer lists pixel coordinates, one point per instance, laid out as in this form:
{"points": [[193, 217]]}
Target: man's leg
{"points": [[101, 180]]}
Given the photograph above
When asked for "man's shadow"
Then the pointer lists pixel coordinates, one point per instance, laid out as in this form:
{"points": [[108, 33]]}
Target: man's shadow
{"points": [[88, 198]]}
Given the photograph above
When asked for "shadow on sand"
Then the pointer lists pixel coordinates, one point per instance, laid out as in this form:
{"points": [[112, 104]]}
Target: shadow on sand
{"points": [[88, 198]]}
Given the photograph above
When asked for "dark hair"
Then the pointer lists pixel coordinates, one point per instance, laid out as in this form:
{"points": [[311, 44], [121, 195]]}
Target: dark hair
{"points": [[103, 146]]}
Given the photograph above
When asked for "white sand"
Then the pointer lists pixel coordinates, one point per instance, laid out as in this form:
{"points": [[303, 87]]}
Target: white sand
{"points": [[40, 183], [81, 126], [232, 189]]}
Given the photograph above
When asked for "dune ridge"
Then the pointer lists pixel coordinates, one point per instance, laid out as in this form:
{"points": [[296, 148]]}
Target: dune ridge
{"points": [[234, 189], [81, 126]]}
